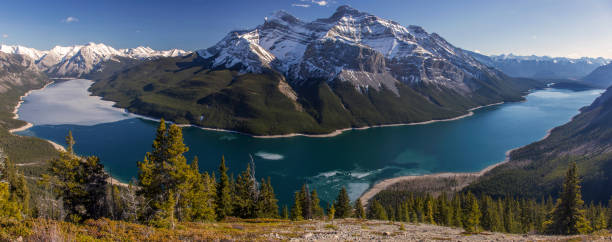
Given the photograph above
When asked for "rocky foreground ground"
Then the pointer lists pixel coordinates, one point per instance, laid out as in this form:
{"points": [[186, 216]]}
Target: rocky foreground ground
{"points": [[355, 230], [261, 230]]}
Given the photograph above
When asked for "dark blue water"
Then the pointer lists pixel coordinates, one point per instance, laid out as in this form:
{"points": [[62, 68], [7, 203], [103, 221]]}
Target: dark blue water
{"points": [[355, 159]]}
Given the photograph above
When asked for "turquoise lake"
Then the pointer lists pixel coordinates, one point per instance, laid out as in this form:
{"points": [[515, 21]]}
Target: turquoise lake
{"points": [[355, 159]]}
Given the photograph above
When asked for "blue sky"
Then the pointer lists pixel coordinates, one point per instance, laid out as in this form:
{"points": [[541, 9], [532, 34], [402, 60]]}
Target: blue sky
{"points": [[543, 27]]}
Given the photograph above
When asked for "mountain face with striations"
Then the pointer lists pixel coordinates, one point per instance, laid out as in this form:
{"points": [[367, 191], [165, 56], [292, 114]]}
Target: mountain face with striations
{"points": [[18, 71], [537, 170], [542, 67], [350, 46], [79, 60], [286, 75]]}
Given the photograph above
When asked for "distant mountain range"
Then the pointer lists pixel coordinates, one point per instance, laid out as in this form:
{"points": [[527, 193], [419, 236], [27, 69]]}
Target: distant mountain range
{"points": [[286, 75], [542, 67], [78, 60]]}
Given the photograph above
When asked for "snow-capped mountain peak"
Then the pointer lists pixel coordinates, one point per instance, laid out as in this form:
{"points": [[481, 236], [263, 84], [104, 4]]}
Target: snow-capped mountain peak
{"points": [[350, 45], [82, 59], [21, 50]]}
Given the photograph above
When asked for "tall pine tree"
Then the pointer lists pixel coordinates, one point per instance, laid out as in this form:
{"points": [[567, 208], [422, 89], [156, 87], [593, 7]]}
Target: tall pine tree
{"points": [[568, 215], [359, 211], [343, 205], [224, 198], [296, 209]]}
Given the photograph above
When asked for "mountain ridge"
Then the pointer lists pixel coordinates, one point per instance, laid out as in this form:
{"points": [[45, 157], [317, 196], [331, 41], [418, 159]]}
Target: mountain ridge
{"points": [[79, 60], [542, 67]]}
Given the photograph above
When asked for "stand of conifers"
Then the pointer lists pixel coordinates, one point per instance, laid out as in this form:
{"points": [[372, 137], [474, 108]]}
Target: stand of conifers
{"points": [[170, 190]]}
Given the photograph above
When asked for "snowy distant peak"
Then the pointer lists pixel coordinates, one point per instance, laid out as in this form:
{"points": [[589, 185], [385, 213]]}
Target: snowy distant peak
{"points": [[82, 59], [142, 52], [21, 50], [590, 60]]}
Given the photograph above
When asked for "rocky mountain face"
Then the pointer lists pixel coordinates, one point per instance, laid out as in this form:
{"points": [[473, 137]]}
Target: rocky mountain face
{"points": [[541, 67], [18, 74], [351, 46], [600, 77], [537, 170], [286, 75], [17, 71], [78, 60]]}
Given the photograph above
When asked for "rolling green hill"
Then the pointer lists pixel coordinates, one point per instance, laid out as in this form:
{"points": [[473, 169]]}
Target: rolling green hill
{"points": [[537, 170]]}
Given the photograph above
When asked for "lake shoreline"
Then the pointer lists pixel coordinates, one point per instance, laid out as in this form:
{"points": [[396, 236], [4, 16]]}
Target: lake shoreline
{"points": [[386, 183], [29, 125], [340, 131], [16, 109], [328, 135]]}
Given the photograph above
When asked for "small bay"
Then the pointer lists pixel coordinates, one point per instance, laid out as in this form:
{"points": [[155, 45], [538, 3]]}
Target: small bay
{"points": [[355, 159]]}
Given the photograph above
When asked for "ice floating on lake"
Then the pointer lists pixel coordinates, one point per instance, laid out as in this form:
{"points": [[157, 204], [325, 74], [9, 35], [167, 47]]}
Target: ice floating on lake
{"points": [[69, 102], [269, 156]]}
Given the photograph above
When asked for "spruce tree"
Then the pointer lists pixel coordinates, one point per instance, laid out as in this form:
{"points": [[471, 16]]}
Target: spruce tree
{"points": [[285, 213], [296, 210], [343, 205], [429, 210], [80, 182], [331, 212], [488, 213], [457, 211], [306, 202], [165, 171], [317, 210], [377, 211], [18, 187], [442, 213], [568, 215], [244, 196], [200, 196], [471, 222], [267, 203], [223, 201], [359, 211], [9, 208]]}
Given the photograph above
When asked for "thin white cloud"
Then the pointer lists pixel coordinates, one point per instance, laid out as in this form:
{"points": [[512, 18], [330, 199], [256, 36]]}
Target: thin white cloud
{"points": [[320, 3], [70, 19], [4, 36], [534, 36], [317, 2], [300, 5]]}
